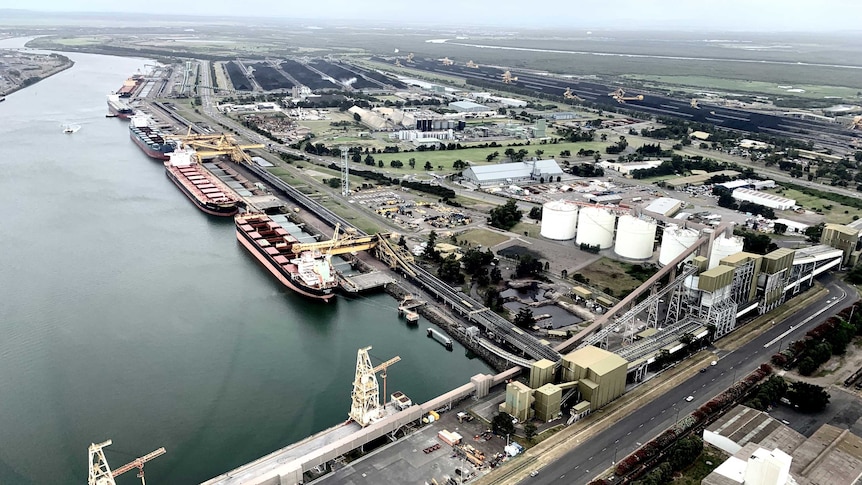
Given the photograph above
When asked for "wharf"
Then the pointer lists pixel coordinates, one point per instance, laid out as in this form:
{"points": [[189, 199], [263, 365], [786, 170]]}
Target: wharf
{"points": [[269, 465], [364, 281]]}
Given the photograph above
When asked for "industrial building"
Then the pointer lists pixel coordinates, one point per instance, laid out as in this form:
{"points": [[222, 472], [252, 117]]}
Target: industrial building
{"points": [[699, 179], [665, 206], [591, 377], [768, 200], [469, 107], [765, 451], [845, 238], [512, 172], [626, 168], [749, 184]]}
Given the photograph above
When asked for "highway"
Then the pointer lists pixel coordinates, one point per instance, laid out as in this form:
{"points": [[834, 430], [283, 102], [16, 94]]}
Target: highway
{"points": [[598, 453]]}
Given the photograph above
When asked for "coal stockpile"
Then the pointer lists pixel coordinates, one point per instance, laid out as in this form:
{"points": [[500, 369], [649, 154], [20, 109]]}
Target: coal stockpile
{"points": [[237, 77], [341, 74], [306, 77], [269, 78], [729, 118], [381, 78]]}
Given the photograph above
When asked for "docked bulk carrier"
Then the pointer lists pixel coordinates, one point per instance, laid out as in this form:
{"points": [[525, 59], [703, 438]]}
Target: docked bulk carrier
{"points": [[118, 108], [149, 138], [200, 186], [309, 273]]}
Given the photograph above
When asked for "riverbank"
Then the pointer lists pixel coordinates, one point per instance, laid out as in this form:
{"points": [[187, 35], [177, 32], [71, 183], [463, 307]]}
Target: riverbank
{"points": [[14, 71]]}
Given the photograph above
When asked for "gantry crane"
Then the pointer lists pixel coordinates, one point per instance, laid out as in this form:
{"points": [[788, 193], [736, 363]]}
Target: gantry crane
{"points": [[446, 61], [856, 124], [410, 57], [398, 63], [568, 94], [472, 65], [100, 472], [508, 78], [340, 244], [620, 96], [365, 407], [209, 146], [694, 103]]}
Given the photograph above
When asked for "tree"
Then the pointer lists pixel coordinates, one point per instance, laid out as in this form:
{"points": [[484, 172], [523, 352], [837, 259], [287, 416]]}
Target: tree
{"points": [[530, 431], [536, 213], [334, 183], [496, 275], [475, 260], [428, 165], [450, 270], [808, 398], [505, 216], [524, 318], [603, 137], [459, 164], [412, 162], [502, 425], [430, 252], [492, 156], [779, 228], [539, 153], [855, 275], [527, 267]]}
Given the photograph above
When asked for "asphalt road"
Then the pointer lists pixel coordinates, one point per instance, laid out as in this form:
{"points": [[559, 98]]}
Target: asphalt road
{"points": [[599, 452]]}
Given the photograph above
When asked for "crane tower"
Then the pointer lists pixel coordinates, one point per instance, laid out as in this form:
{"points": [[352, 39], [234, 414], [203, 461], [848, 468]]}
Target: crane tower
{"points": [[100, 472], [365, 407]]}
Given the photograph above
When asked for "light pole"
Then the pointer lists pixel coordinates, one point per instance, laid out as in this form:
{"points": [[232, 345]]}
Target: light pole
{"points": [[614, 462]]}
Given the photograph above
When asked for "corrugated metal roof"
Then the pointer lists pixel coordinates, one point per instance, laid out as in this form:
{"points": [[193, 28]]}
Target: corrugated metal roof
{"points": [[598, 360], [514, 170], [664, 205]]}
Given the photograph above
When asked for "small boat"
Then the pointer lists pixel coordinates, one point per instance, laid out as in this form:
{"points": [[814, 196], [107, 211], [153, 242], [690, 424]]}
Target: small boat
{"points": [[69, 129]]}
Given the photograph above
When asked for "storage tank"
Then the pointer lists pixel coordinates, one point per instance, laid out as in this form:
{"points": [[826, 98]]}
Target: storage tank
{"points": [[595, 227], [559, 220], [722, 247], [674, 241], [635, 237]]}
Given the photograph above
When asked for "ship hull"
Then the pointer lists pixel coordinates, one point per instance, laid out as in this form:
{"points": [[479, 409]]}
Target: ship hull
{"points": [[211, 209], [120, 113], [280, 274], [152, 153]]}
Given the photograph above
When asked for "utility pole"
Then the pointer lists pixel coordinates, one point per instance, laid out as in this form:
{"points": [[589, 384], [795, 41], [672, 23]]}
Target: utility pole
{"points": [[345, 172]]}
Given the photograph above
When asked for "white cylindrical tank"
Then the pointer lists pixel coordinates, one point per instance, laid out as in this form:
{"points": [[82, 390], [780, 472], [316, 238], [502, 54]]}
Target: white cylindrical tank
{"points": [[635, 237], [559, 220], [722, 247], [596, 227], [674, 241]]}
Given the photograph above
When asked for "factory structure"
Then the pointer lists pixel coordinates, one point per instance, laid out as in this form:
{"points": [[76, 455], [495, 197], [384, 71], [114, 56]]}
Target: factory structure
{"points": [[590, 377]]}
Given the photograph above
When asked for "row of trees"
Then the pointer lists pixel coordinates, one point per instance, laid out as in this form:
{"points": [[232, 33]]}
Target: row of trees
{"points": [[726, 200], [822, 342]]}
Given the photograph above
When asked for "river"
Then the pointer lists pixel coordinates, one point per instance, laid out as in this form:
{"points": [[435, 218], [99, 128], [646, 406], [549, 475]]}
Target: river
{"points": [[128, 314]]}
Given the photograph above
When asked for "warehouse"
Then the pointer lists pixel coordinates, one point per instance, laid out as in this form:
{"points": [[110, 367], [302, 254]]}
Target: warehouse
{"points": [[765, 199], [665, 206], [629, 167], [513, 172], [469, 107]]}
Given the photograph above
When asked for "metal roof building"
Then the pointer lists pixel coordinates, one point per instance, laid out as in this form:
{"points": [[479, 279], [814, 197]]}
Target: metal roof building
{"points": [[512, 172], [469, 107], [665, 206], [765, 199]]}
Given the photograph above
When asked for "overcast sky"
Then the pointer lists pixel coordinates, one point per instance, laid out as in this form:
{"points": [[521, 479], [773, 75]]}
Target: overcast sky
{"points": [[751, 15]]}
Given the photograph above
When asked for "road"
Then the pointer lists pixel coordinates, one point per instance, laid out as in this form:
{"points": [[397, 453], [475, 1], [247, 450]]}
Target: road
{"points": [[598, 453]]}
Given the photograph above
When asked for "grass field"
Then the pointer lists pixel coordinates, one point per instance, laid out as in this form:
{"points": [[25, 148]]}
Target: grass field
{"points": [[607, 273], [350, 214], [837, 213], [525, 229], [746, 86], [708, 461], [483, 237], [477, 156]]}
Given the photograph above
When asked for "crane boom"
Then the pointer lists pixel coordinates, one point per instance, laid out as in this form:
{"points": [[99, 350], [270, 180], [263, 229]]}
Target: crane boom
{"points": [[139, 462], [386, 364]]}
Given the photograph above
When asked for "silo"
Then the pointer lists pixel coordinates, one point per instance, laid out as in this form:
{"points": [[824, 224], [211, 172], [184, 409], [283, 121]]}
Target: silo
{"points": [[559, 219], [635, 237], [722, 247], [674, 241], [596, 227]]}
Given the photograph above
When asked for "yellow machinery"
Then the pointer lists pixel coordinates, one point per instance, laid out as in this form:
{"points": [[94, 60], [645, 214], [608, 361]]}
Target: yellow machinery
{"points": [[508, 78], [340, 244], [620, 96], [472, 65], [398, 63], [568, 94], [210, 146], [856, 124], [410, 57], [694, 103], [447, 62]]}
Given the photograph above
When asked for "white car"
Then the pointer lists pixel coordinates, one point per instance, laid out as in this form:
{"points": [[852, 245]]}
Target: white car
{"points": [[689, 399], [534, 473]]}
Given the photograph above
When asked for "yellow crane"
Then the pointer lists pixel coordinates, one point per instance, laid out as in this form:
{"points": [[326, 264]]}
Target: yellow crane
{"points": [[340, 244], [398, 63], [856, 124], [620, 96], [472, 65], [410, 57], [446, 61], [210, 146], [508, 78], [694, 103], [568, 94]]}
